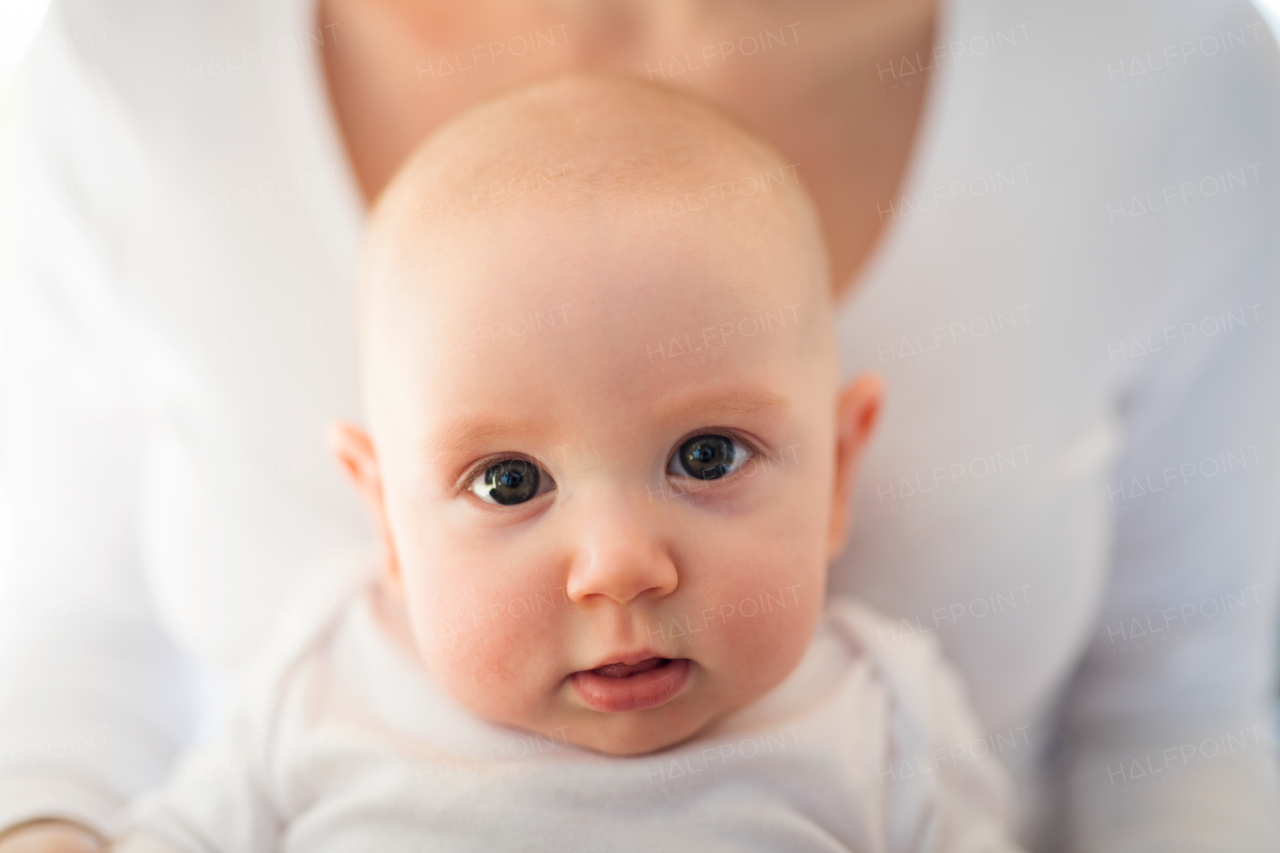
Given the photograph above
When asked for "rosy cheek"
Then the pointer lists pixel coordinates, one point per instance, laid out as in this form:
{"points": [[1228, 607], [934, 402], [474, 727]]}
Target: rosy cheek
{"points": [[477, 665], [489, 655]]}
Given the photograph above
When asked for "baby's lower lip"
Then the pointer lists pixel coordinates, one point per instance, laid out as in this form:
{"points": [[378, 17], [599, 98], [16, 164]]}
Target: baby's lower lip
{"points": [[637, 692]]}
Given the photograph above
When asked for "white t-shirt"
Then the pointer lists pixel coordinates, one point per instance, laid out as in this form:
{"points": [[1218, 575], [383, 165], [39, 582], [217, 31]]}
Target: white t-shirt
{"points": [[343, 742], [1074, 485]]}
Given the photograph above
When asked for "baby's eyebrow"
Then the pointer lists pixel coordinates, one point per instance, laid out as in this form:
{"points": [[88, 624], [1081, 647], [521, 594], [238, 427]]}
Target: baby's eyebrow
{"points": [[747, 401], [461, 435]]}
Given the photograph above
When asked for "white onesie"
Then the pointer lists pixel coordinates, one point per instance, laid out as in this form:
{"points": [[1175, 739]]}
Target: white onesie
{"points": [[342, 741]]}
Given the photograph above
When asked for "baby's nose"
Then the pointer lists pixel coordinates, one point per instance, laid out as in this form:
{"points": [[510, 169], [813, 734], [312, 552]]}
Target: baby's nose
{"points": [[618, 556]]}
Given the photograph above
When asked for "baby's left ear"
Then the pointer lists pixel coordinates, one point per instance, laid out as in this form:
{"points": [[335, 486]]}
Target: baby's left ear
{"points": [[856, 417]]}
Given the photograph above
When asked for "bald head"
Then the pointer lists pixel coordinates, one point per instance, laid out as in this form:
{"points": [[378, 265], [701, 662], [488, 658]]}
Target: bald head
{"points": [[586, 141], [592, 147]]}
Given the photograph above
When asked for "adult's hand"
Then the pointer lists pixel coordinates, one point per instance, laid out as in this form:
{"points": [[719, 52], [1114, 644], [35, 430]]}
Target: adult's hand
{"points": [[51, 836]]}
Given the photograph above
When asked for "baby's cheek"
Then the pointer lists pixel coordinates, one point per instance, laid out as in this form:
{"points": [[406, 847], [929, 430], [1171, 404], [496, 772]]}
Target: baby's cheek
{"points": [[769, 629], [484, 651], [757, 607]]}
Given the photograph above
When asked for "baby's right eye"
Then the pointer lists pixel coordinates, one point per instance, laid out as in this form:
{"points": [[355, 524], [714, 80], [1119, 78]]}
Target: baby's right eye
{"points": [[511, 481]]}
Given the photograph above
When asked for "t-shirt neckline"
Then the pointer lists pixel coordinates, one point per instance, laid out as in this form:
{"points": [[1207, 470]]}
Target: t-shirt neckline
{"points": [[315, 142]]}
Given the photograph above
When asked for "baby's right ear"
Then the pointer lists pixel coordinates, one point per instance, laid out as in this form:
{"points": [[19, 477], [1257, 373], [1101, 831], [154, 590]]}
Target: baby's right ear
{"points": [[353, 448]]}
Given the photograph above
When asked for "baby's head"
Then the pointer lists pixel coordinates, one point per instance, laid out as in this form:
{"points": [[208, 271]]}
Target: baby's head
{"points": [[608, 455]]}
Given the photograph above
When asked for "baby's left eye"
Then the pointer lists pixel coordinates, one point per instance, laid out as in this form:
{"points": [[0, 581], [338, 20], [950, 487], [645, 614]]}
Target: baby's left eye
{"points": [[708, 457]]}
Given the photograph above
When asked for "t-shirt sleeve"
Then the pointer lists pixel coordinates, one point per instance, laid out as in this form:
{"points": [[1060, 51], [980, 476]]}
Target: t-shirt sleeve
{"points": [[1167, 718], [94, 698], [233, 794], [970, 809], [944, 791], [218, 799]]}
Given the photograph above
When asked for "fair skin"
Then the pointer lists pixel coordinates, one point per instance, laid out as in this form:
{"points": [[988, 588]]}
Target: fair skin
{"points": [[820, 101], [618, 539]]}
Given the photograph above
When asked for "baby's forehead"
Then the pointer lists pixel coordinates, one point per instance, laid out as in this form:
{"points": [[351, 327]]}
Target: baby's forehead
{"points": [[612, 258], [571, 322]]}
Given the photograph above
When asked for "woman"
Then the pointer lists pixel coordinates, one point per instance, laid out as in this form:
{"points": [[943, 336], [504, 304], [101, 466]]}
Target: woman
{"points": [[1053, 227]]}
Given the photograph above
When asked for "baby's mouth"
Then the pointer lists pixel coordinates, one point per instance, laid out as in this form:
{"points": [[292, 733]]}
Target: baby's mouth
{"points": [[618, 670], [617, 687]]}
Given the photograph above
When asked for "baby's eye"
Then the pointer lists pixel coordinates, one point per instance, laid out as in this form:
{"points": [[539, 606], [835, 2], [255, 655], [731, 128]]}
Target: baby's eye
{"points": [[511, 481], [708, 457]]}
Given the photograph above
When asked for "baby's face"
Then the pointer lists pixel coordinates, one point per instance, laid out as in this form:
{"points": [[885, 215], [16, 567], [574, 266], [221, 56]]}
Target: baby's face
{"points": [[606, 457]]}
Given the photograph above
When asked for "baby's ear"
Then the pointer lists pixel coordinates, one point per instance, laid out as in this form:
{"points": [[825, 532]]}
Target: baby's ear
{"points": [[856, 416], [353, 448]]}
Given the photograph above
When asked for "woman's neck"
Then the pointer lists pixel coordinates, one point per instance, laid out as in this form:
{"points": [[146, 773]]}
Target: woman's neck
{"points": [[814, 88]]}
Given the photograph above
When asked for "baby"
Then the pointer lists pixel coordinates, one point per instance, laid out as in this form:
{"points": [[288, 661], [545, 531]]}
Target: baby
{"points": [[608, 460]]}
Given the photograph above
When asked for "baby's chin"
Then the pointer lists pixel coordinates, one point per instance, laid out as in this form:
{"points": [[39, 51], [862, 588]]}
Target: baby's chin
{"points": [[620, 734], [636, 732]]}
